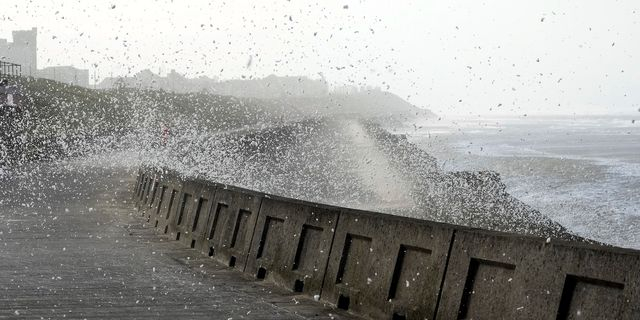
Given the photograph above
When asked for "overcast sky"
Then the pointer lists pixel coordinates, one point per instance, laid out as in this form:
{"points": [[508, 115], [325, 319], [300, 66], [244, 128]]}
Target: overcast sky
{"points": [[468, 57]]}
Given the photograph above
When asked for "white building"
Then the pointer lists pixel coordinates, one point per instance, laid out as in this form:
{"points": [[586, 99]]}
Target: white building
{"points": [[66, 74], [22, 51]]}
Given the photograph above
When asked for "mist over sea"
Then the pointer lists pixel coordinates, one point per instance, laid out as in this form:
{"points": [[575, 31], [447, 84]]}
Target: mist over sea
{"points": [[581, 171]]}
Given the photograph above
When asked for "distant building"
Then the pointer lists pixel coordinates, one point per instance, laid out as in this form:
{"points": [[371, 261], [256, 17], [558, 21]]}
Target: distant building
{"points": [[66, 74], [173, 82], [23, 50], [266, 88], [273, 87], [346, 89], [10, 69]]}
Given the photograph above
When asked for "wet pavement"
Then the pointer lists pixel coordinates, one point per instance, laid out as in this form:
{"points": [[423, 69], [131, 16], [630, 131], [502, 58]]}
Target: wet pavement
{"points": [[72, 245]]}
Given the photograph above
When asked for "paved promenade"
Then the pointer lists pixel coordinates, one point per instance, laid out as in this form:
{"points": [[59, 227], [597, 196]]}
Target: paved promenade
{"points": [[73, 246]]}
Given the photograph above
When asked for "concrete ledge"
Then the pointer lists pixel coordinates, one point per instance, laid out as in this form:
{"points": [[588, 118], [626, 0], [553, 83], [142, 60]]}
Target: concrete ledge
{"points": [[521, 277], [186, 204], [196, 200], [138, 186], [389, 267], [194, 231], [166, 205], [230, 226], [600, 282], [146, 202], [292, 242], [487, 274]]}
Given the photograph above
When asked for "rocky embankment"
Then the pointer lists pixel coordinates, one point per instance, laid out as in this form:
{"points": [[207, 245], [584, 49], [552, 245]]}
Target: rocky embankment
{"points": [[354, 163], [472, 198]]}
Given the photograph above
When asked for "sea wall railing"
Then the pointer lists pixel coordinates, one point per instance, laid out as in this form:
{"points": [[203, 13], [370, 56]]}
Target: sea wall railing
{"points": [[9, 69], [390, 267]]}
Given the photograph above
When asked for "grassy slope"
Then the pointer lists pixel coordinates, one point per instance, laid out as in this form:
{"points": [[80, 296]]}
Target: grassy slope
{"points": [[58, 120]]}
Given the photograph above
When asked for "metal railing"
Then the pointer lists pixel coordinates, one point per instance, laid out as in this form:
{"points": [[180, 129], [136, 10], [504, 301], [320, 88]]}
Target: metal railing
{"points": [[9, 69]]}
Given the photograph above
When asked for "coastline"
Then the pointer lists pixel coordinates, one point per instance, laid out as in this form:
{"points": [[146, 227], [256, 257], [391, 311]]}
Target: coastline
{"points": [[580, 172]]}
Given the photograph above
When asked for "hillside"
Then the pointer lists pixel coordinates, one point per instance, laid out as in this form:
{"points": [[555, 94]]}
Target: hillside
{"points": [[362, 104], [59, 120]]}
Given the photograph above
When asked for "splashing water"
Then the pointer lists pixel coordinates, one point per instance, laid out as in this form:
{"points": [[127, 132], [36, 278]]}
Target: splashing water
{"points": [[283, 147]]}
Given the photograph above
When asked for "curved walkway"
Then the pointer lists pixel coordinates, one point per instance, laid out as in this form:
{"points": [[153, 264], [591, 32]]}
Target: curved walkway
{"points": [[72, 246]]}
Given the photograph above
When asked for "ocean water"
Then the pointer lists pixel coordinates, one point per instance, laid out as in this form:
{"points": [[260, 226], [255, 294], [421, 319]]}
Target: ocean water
{"points": [[583, 172]]}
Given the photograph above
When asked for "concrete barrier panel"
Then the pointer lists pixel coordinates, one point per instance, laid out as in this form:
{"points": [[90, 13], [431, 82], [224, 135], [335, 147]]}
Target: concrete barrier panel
{"points": [[291, 244], [153, 186], [145, 206], [143, 189], [141, 180], [151, 213], [194, 231], [144, 200], [163, 182], [230, 226], [501, 276], [154, 190], [146, 185], [141, 198], [167, 204], [138, 184], [486, 274], [184, 208], [587, 282], [387, 267]]}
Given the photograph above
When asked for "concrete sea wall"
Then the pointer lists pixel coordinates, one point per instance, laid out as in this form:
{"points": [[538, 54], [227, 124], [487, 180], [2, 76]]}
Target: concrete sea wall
{"points": [[389, 267]]}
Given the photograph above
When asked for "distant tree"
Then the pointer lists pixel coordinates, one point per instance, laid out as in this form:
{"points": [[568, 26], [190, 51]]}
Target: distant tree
{"points": [[120, 84]]}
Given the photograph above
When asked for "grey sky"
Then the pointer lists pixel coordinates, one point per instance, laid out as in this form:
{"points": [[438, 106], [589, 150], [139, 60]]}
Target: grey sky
{"points": [[467, 57]]}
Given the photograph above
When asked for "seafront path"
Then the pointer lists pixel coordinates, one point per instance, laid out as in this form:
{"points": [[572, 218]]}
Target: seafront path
{"points": [[73, 246]]}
